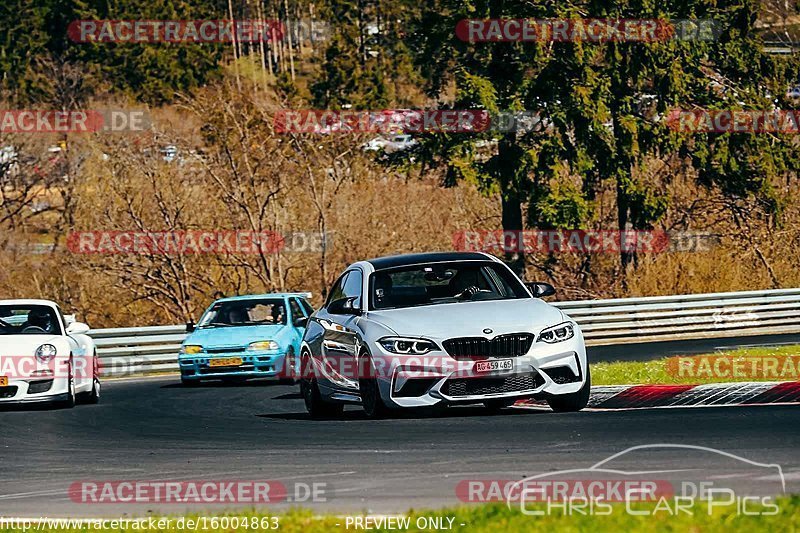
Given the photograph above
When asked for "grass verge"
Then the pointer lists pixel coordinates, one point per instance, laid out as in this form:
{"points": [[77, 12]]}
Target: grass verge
{"points": [[778, 363], [484, 518]]}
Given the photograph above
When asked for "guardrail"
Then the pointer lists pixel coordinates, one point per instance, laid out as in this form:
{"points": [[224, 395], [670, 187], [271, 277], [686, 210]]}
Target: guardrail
{"points": [[126, 351]]}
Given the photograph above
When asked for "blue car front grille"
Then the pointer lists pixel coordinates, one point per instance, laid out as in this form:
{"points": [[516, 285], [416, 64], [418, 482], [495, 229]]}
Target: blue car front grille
{"points": [[226, 349]]}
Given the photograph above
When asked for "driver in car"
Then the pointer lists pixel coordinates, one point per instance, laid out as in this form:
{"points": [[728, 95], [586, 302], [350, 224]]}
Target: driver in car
{"points": [[38, 320]]}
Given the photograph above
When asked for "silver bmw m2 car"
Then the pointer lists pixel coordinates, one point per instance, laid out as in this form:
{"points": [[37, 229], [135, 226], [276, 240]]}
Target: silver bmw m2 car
{"points": [[439, 329]]}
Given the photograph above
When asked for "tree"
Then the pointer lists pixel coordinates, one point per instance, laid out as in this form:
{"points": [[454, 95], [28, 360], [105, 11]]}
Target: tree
{"points": [[604, 105]]}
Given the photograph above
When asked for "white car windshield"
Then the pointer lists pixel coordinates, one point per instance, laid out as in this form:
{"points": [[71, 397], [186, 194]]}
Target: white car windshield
{"points": [[439, 283], [245, 313], [28, 320]]}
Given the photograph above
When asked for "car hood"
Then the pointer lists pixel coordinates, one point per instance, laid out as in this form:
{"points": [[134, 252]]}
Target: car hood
{"points": [[469, 319], [27, 344], [233, 336]]}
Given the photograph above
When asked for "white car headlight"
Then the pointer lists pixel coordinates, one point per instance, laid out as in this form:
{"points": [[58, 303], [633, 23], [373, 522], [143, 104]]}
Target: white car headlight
{"points": [[262, 346], [407, 346], [557, 333], [46, 353]]}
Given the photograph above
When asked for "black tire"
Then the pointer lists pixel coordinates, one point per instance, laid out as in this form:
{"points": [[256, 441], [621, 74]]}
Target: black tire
{"points": [[570, 403], [93, 396], [315, 405], [72, 399], [371, 399], [496, 405]]}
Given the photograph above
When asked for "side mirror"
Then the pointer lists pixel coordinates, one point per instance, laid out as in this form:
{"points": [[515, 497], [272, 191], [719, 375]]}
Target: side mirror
{"points": [[540, 290], [77, 328], [190, 327], [301, 322], [69, 320], [344, 306]]}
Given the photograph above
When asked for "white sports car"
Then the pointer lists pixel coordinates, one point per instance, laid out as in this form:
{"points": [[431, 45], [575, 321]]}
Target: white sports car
{"points": [[45, 356], [440, 329]]}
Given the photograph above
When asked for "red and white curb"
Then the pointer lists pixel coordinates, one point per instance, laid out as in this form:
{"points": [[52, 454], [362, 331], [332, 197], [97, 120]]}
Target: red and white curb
{"points": [[710, 395]]}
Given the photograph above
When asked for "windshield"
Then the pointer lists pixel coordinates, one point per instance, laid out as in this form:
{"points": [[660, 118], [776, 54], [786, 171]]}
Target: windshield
{"points": [[439, 283], [245, 313], [28, 320]]}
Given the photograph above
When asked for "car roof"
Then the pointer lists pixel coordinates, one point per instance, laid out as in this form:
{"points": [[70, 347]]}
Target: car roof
{"points": [[395, 261], [28, 302], [262, 296]]}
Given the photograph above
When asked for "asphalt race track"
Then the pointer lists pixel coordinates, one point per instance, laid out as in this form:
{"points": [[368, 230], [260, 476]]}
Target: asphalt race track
{"points": [[157, 430]]}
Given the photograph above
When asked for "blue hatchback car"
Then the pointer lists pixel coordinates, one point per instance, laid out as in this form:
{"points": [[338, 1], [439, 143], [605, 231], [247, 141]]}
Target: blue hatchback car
{"points": [[246, 337]]}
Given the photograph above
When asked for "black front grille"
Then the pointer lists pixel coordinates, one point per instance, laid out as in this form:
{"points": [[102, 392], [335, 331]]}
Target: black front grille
{"points": [[228, 349], [561, 375], [227, 369], [494, 385], [414, 388], [37, 387], [512, 345], [8, 392]]}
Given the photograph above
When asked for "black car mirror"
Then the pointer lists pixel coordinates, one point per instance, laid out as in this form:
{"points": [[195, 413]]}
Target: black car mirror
{"points": [[344, 306], [540, 290]]}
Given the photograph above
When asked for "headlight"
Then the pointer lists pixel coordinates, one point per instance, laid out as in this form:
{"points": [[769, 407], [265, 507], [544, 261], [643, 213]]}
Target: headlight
{"points": [[46, 353], [407, 346], [557, 333], [262, 346], [191, 349]]}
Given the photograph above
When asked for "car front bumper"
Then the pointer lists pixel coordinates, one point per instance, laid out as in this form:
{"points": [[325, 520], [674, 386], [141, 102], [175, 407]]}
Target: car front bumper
{"points": [[546, 370], [256, 365], [34, 390]]}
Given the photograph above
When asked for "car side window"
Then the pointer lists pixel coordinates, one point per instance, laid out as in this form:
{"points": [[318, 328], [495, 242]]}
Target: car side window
{"points": [[297, 312], [337, 292], [353, 286], [307, 306]]}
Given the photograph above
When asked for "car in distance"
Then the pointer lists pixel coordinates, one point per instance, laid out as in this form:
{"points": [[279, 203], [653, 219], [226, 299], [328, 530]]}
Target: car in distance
{"points": [[439, 329], [244, 337], [45, 357]]}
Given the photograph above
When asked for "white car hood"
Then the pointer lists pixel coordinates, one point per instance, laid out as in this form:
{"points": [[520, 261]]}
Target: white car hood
{"points": [[469, 319], [18, 345]]}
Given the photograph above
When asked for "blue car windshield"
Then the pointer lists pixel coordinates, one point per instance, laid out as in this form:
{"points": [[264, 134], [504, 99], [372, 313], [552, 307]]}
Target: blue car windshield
{"points": [[245, 313]]}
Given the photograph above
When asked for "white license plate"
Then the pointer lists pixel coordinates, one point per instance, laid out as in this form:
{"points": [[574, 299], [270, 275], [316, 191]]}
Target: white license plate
{"points": [[497, 364]]}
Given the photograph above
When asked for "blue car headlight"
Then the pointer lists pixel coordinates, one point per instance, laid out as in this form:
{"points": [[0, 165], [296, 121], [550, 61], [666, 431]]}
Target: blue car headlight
{"points": [[191, 349], [263, 346]]}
